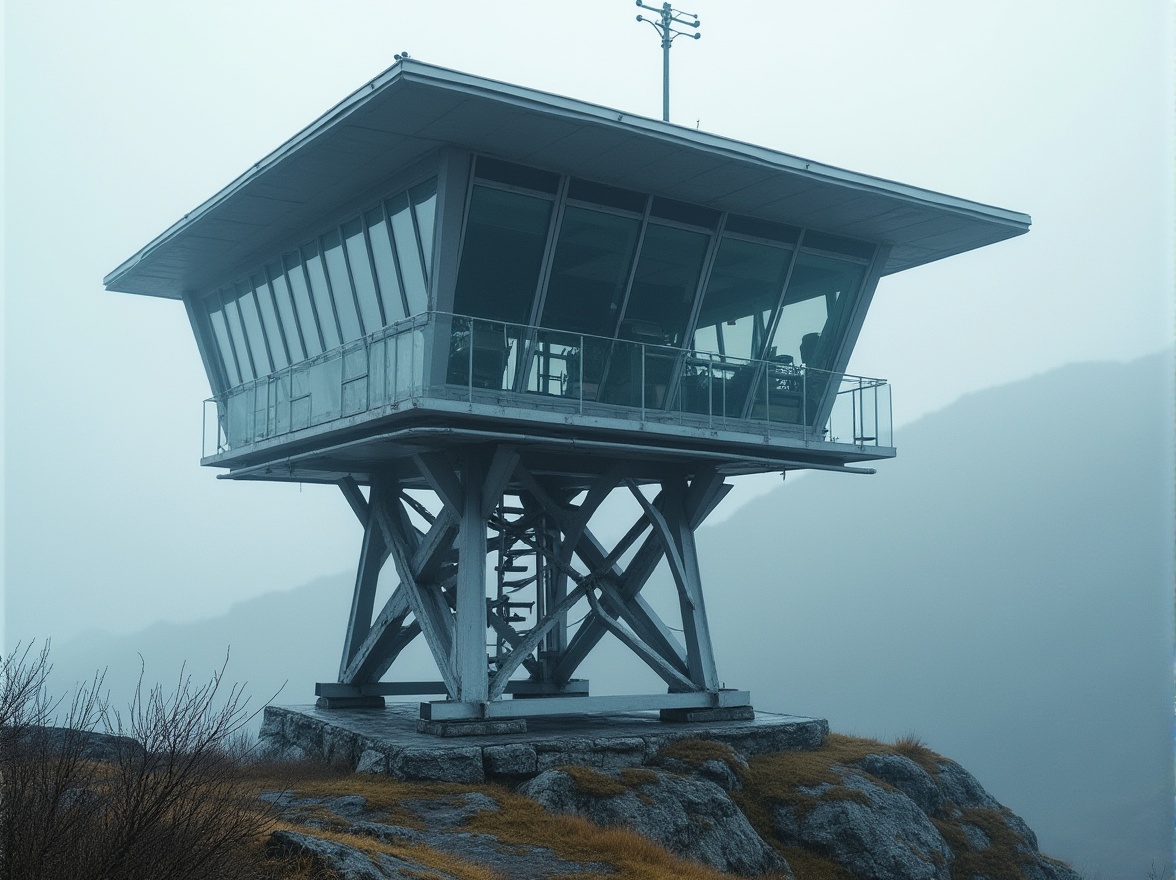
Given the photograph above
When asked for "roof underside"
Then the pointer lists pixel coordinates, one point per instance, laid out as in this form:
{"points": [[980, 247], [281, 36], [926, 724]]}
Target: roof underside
{"points": [[413, 109]]}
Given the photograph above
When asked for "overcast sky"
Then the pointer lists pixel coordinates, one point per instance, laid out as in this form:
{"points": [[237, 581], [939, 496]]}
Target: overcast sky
{"points": [[122, 116]]}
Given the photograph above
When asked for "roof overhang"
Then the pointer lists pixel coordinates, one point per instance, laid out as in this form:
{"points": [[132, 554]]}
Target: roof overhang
{"points": [[413, 109]]}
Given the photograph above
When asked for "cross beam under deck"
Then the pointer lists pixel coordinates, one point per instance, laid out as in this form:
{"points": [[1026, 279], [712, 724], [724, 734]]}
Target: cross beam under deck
{"points": [[491, 505]]}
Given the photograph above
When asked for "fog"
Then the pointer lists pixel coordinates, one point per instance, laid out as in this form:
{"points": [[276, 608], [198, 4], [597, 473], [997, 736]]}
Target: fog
{"points": [[120, 117]]}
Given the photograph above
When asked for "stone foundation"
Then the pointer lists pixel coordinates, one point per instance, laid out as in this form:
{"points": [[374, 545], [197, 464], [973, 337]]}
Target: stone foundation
{"points": [[388, 741]]}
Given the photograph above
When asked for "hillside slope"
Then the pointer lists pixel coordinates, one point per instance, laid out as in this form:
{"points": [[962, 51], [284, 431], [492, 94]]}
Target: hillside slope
{"points": [[1003, 588]]}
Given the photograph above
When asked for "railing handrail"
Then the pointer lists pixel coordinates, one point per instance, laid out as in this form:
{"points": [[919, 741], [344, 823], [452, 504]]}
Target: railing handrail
{"points": [[796, 400]]}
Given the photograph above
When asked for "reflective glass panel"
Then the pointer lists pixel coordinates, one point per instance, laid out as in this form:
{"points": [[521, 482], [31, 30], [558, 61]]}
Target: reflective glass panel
{"points": [[341, 287], [664, 286], [601, 194], [281, 290], [361, 274], [502, 255], [411, 273], [819, 292], [516, 175], [237, 331], [424, 200], [590, 271], [313, 262], [220, 332], [741, 294], [269, 319], [253, 330], [385, 266], [302, 302]]}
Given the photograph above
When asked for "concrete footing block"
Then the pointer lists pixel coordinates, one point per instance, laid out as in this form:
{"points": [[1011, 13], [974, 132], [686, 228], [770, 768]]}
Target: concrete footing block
{"points": [[349, 703], [731, 713], [472, 728]]}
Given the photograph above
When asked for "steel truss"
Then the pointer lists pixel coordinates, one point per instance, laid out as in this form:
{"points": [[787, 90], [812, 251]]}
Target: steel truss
{"points": [[546, 560]]}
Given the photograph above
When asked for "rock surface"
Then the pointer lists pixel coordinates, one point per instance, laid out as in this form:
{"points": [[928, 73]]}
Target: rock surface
{"points": [[882, 835], [442, 820], [689, 816]]}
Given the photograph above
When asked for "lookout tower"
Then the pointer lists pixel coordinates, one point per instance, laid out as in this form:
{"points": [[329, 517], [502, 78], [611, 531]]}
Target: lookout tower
{"points": [[479, 310]]}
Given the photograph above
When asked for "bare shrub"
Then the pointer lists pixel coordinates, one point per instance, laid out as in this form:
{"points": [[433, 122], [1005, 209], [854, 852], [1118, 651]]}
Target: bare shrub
{"points": [[156, 793]]}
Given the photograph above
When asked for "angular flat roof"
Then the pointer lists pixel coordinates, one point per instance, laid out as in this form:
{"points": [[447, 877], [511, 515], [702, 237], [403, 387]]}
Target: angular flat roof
{"points": [[412, 109]]}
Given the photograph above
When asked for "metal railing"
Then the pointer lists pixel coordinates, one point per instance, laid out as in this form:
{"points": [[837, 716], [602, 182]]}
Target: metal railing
{"points": [[480, 362]]}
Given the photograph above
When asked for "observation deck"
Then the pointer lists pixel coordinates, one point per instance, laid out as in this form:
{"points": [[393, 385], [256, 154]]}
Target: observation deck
{"points": [[360, 407]]}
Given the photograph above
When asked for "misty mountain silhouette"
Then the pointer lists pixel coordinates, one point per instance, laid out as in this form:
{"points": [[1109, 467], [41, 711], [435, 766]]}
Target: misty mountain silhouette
{"points": [[1002, 589]]}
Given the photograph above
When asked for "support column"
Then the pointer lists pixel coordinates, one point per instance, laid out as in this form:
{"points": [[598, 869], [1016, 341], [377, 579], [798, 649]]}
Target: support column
{"points": [[470, 661]]}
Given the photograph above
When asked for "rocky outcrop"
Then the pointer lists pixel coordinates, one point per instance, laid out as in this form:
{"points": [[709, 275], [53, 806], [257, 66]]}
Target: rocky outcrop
{"points": [[753, 799], [690, 816], [885, 817]]}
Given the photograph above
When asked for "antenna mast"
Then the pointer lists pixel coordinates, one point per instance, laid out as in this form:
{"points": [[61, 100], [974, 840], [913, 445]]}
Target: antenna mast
{"points": [[668, 32]]}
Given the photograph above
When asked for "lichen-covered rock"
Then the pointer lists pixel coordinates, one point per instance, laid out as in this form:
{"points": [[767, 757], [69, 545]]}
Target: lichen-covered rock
{"points": [[962, 790], [873, 832], [689, 816], [345, 862], [372, 761], [908, 777]]}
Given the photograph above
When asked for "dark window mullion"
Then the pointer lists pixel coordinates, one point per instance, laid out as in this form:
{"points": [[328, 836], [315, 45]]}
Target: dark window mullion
{"points": [[269, 277], [251, 294], [367, 244], [395, 255], [229, 332], [244, 335], [277, 315], [363, 330], [301, 269], [322, 254]]}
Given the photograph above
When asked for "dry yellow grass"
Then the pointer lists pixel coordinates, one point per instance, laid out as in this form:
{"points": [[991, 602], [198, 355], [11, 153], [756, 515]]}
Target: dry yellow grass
{"points": [[696, 752]]}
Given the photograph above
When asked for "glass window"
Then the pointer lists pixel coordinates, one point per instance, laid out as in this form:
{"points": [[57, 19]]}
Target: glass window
{"points": [[851, 247], [601, 194], [313, 262], [361, 274], [424, 201], [281, 290], [237, 332], [409, 255], [664, 285], [741, 294], [269, 319], [302, 302], [253, 330], [224, 346], [502, 255], [762, 229], [683, 212], [591, 269], [341, 286], [818, 295], [517, 175], [385, 266]]}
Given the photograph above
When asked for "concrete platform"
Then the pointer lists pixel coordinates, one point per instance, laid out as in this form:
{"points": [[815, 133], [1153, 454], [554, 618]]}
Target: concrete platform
{"points": [[387, 740]]}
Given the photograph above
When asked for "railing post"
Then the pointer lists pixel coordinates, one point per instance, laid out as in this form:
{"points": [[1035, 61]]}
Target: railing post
{"points": [[470, 361], [583, 354], [642, 344], [804, 402]]}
